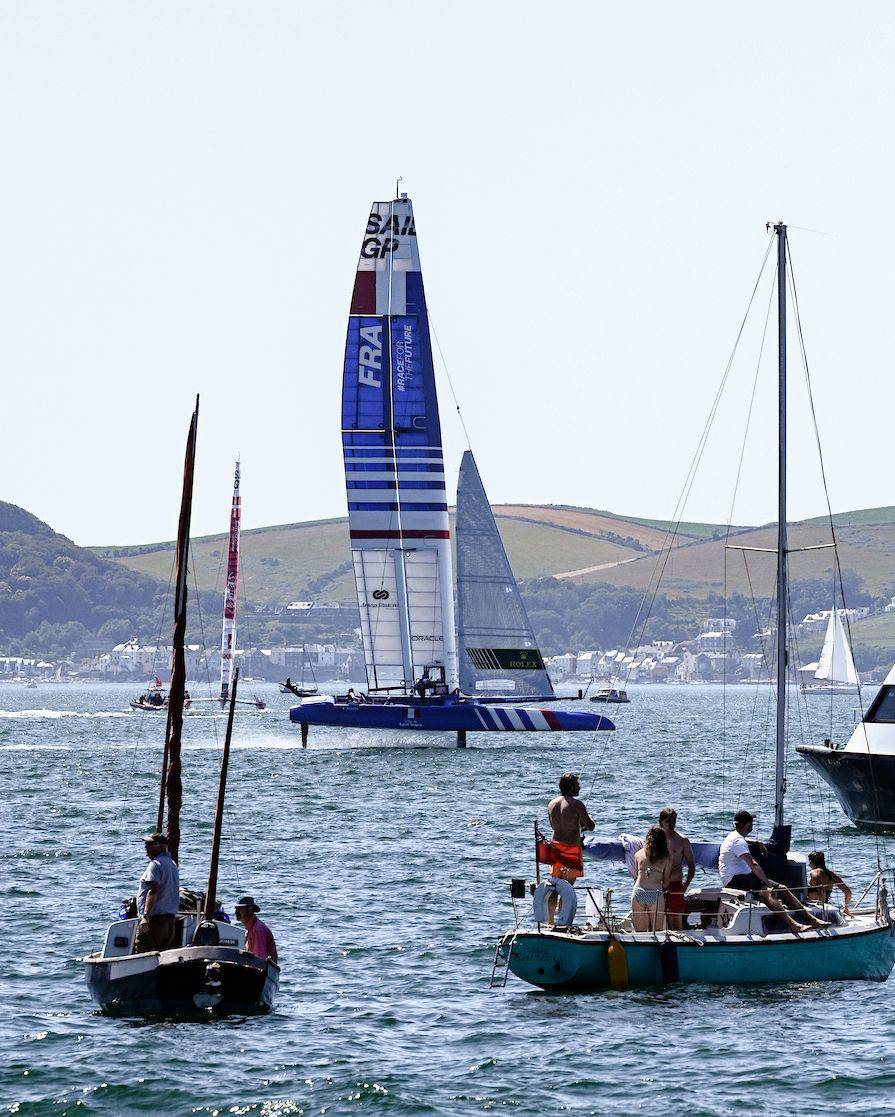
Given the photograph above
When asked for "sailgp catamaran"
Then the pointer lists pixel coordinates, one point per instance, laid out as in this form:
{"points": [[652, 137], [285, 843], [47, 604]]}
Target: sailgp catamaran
{"points": [[418, 677], [731, 935]]}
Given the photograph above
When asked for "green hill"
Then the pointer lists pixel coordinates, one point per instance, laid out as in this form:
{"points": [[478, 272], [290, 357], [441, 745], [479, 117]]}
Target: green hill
{"points": [[54, 594]]}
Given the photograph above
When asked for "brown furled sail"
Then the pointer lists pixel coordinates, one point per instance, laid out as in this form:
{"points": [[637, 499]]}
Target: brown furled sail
{"points": [[172, 786]]}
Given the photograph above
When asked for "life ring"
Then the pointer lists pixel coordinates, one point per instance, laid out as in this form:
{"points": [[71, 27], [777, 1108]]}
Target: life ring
{"points": [[566, 908]]}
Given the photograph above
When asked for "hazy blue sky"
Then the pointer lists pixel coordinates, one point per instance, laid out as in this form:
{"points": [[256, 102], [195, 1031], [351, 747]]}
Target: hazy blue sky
{"points": [[184, 187]]}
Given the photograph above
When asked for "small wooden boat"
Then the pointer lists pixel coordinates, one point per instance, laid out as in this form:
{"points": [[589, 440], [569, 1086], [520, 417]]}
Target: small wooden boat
{"points": [[208, 968]]}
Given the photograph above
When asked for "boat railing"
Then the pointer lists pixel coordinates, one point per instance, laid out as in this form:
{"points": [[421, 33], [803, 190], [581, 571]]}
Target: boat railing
{"points": [[881, 892]]}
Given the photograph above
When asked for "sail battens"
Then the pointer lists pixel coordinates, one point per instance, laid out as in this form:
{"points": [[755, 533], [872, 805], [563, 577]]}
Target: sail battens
{"points": [[495, 637], [394, 467]]}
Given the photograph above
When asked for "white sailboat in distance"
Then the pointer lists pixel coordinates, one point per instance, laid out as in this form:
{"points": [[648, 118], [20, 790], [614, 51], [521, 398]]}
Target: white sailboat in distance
{"points": [[835, 671]]}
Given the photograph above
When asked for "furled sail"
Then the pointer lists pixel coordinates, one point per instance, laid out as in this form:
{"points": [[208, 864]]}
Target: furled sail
{"points": [[495, 637], [228, 633], [394, 465], [836, 664]]}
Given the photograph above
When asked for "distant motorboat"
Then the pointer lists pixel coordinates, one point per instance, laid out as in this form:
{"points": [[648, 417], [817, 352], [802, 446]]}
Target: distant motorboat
{"points": [[610, 694]]}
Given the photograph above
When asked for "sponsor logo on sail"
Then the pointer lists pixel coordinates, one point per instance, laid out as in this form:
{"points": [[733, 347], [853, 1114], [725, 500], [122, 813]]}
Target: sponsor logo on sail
{"points": [[380, 595], [369, 357]]}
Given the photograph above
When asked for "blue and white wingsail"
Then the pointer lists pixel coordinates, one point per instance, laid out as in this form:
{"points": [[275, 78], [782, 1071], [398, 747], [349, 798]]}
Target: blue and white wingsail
{"points": [[497, 645], [394, 465]]}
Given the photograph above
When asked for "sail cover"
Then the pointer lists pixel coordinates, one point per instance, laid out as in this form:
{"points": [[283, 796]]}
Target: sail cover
{"points": [[495, 638], [228, 631], [394, 465], [836, 664]]}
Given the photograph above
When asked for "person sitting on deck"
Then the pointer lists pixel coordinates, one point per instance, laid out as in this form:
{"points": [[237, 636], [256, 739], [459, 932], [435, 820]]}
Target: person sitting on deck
{"points": [[259, 939], [158, 898], [679, 850], [822, 881], [653, 864], [739, 869]]}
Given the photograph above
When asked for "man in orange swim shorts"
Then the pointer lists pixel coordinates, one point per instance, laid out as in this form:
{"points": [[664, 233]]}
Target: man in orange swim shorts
{"points": [[680, 849], [568, 817]]}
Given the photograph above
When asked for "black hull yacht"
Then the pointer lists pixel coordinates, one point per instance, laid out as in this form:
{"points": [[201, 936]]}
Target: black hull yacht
{"points": [[861, 771]]}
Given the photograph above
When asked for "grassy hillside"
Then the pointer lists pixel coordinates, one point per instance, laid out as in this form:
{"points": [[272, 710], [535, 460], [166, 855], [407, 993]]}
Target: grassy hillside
{"points": [[585, 545], [280, 563]]}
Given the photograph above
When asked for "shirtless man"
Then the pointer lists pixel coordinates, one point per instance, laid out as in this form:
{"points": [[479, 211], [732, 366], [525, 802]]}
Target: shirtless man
{"points": [[568, 817], [680, 850]]}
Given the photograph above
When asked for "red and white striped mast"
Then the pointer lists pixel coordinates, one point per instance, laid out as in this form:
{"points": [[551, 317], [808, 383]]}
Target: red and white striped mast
{"points": [[228, 634]]}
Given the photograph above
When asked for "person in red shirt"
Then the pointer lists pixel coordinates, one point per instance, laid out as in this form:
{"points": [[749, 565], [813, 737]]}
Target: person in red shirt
{"points": [[259, 939]]}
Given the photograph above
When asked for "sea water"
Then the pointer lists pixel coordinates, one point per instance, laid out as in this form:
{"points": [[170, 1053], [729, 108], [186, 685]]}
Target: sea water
{"points": [[381, 865]]}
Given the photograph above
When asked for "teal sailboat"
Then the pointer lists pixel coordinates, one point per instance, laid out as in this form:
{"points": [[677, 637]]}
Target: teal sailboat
{"points": [[730, 936]]}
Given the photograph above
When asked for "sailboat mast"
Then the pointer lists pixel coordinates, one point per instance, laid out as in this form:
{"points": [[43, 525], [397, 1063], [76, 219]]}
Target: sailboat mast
{"points": [[228, 633], [171, 791], [211, 890], [780, 767]]}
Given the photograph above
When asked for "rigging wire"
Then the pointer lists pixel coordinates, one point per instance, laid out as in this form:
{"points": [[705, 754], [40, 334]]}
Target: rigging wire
{"points": [[830, 518], [680, 507]]}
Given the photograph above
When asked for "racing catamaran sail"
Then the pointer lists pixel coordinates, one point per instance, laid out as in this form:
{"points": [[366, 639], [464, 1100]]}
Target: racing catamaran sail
{"points": [[228, 634], [495, 638], [394, 464], [398, 512]]}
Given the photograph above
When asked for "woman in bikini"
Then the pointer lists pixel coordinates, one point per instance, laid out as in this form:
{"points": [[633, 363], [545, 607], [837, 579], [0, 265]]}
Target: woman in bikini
{"points": [[653, 865], [822, 881]]}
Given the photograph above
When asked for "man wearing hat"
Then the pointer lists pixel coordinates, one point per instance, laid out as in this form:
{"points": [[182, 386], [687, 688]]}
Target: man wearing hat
{"points": [[259, 940], [739, 869], [158, 898]]}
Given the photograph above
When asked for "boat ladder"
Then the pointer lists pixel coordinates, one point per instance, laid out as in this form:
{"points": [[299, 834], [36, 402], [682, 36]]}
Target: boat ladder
{"points": [[501, 968]]}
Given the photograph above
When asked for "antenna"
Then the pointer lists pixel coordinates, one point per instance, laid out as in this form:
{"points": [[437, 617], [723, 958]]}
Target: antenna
{"points": [[398, 182]]}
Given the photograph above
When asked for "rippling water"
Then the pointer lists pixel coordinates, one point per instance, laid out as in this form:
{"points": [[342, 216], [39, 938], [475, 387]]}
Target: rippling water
{"points": [[382, 870]]}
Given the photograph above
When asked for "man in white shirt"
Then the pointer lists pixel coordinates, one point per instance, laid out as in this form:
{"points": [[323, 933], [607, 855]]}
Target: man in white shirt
{"points": [[158, 898], [739, 869]]}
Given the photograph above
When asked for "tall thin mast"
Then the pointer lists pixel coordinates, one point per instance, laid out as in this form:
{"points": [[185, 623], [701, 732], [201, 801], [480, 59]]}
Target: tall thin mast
{"points": [[228, 633], [780, 768], [211, 891], [171, 790]]}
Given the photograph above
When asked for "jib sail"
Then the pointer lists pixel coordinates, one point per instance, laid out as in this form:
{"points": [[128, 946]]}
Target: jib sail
{"points": [[495, 637]]}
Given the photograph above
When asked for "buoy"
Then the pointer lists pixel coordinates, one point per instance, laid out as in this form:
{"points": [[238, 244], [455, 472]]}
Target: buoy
{"points": [[618, 964]]}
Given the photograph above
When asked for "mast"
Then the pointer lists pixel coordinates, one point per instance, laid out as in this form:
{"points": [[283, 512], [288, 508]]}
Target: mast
{"points": [[780, 768], [171, 791], [228, 633], [211, 891]]}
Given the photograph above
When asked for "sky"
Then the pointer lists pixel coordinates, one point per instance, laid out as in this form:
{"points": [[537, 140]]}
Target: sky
{"points": [[184, 188]]}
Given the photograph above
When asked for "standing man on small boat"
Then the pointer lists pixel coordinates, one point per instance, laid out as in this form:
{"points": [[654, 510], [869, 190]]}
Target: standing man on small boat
{"points": [[158, 898], [679, 850], [259, 938], [568, 817]]}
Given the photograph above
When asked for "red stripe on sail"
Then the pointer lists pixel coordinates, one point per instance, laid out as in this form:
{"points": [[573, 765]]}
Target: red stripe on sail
{"points": [[363, 301], [408, 533]]}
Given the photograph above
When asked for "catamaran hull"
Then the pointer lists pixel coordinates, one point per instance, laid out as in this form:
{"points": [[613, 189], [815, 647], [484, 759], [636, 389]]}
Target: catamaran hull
{"points": [[558, 962], [471, 717], [864, 783], [190, 979]]}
